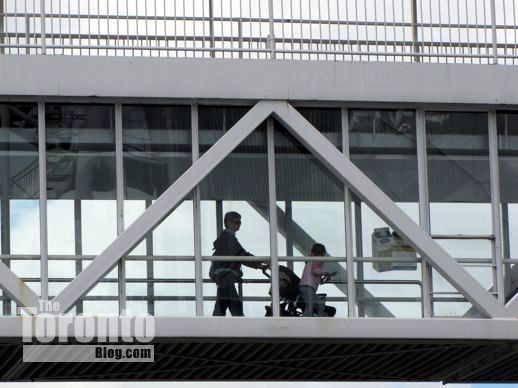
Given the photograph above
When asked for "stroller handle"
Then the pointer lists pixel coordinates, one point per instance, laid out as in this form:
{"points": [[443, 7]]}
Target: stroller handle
{"points": [[266, 273]]}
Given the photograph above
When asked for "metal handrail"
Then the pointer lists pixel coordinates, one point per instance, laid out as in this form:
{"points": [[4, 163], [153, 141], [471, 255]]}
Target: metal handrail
{"points": [[341, 34]]}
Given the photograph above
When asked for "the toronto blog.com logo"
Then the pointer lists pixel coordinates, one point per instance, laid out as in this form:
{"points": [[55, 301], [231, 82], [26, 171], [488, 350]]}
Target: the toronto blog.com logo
{"points": [[51, 337]]}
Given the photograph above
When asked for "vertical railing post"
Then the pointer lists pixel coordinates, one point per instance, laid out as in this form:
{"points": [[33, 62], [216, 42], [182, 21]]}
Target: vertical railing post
{"points": [[351, 286], [43, 35], [42, 156], [271, 34], [211, 29], [493, 32], [424, 208], [274, 262], [2, 26], [415, 36], [495, 208]]}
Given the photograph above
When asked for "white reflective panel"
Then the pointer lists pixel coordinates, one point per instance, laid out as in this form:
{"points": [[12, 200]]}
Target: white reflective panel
{"points": [[25, 227], [472, 249], [135, 307], [174, 289], [97, 307], [513, 230], [56, 288], [208, 229], [175, 308], [62, 268], [136, 269], [132, 210], [460, 218], [26, 268], [136, 289], [104, 289], [99, 225], [60, 216], [173, 269], [175, 235]]}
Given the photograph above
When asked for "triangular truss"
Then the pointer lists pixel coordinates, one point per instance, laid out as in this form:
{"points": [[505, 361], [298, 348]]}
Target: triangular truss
{"points": [[331, 158]]}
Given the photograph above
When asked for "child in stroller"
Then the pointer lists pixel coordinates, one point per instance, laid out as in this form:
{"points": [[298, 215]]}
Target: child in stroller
{"points": [[291, 301]]}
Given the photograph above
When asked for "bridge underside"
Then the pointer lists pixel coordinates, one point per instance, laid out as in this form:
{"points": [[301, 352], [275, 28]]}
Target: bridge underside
{"points": [[282, 360], [293, 349]]}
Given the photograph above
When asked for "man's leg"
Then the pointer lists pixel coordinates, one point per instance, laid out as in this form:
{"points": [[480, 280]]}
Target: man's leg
{"points": [[236, 304], [222, 302]]}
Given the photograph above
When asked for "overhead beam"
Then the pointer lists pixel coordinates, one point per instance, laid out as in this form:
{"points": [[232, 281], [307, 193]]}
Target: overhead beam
{"points": [[123, 244], [364, 188]]}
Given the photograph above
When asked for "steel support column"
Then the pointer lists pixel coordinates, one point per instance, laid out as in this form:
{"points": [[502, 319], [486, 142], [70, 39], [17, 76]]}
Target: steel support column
{"points": [[274, 258], [424, 208], [349, 253], [42, 159], [498, 268], [198, 264]]}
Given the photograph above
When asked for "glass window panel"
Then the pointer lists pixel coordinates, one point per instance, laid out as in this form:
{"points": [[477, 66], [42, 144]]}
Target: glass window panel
{"points": [[99, 225], [327, 121], [24, 227], [157, 150], [459, 188], [80, 151], [231, 187], [19, 190], [132, 210], [507, 124], [311, 208], [383, 147], [99, 307], [61, 227], [136, 289], [136, 269], [175, 308], [213, 121], [26, 268], [136, 307], [458, 159], [62, 269], [81, 180]]}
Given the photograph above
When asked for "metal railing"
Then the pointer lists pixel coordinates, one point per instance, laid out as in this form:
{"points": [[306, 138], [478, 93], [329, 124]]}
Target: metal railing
{"points": [[431, 31]]}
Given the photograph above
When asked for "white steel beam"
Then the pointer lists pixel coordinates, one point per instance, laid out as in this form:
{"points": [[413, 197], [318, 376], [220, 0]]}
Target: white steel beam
{"points": [[162, 206], [344, 169], [512, 306], [17, 289], [288, 328]]}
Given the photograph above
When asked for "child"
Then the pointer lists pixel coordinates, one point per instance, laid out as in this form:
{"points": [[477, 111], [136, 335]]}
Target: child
{"points": [[311, 277]]}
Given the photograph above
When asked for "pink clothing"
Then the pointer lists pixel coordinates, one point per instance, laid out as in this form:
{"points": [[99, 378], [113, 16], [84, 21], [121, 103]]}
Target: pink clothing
{"points": [[312, 274]]}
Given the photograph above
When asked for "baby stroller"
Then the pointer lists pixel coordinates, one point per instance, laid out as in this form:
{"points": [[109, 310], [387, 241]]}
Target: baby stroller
{"points": [[291, 301]]}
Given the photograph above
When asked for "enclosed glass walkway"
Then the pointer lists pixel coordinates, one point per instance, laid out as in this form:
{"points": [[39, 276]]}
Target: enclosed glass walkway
{"points": [[101, 165]]}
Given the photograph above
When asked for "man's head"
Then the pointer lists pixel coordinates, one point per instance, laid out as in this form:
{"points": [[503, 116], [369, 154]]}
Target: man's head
{"points": [[232, 221], [318, 250]]}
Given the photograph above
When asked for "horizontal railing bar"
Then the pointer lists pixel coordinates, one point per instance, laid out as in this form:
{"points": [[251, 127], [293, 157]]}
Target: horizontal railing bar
{"points": [[463, 236], [247, 19], [462, 260], [232, 39], [265, 50]]}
